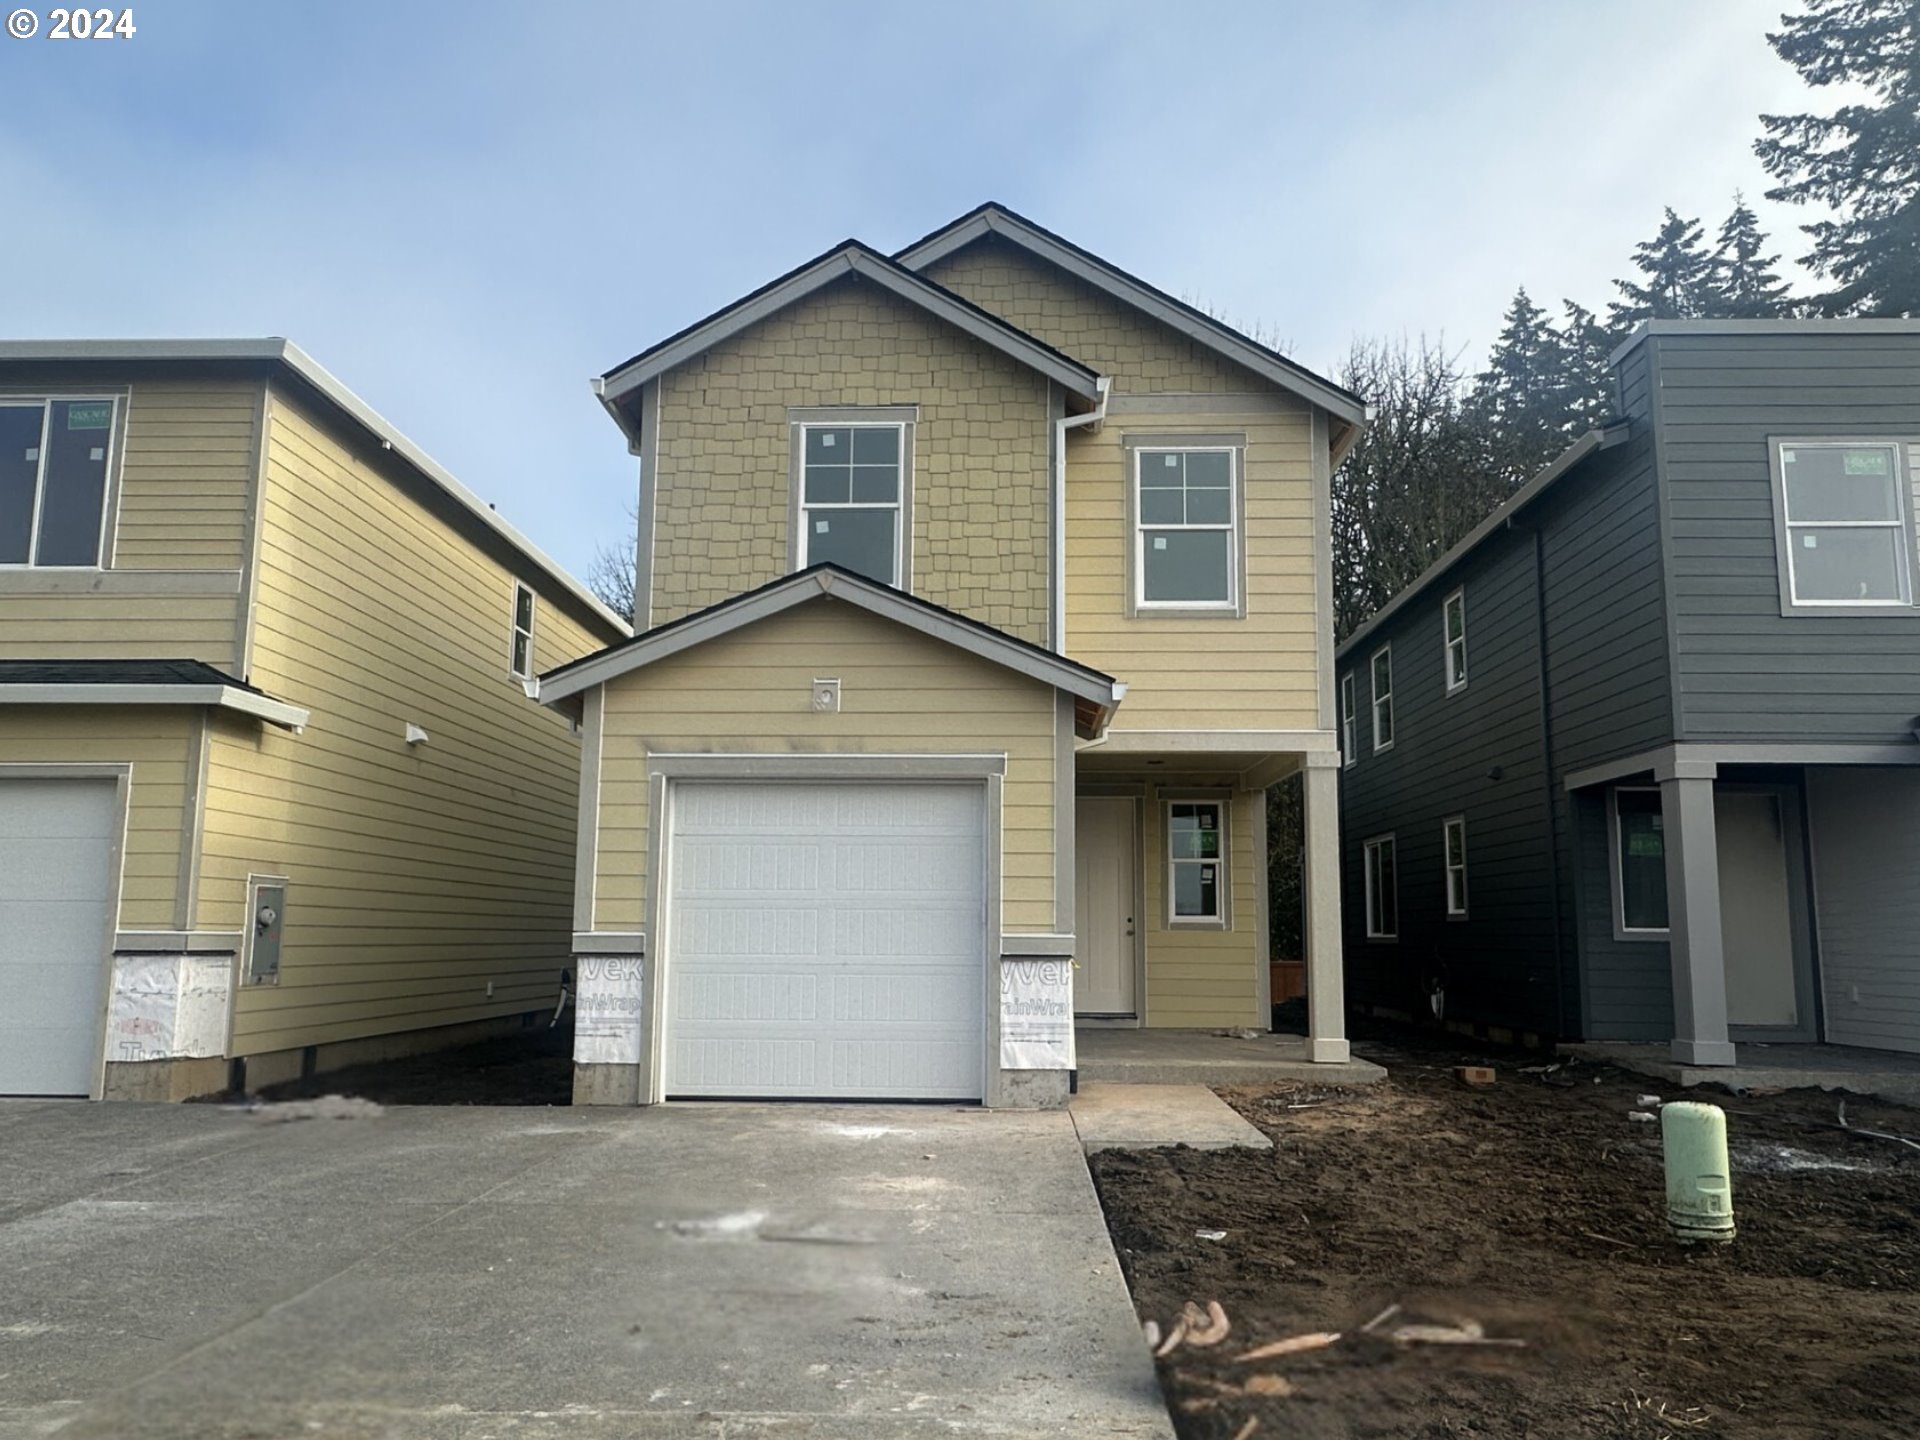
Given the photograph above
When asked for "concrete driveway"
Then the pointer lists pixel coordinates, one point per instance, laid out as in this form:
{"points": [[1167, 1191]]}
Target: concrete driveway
{"points": [[767, 1270]]}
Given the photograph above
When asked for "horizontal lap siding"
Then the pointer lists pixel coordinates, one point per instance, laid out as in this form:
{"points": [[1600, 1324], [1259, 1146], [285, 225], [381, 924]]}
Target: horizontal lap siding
{"points": [[1744, 671], [185, 468], [981, 482], [901, 693], [158, 742], [1866, 855], [1198, 977], [417, 874]]}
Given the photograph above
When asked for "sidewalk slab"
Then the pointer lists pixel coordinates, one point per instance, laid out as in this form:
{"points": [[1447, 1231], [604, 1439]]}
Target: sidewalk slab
{"points": [[1148, 1117]]}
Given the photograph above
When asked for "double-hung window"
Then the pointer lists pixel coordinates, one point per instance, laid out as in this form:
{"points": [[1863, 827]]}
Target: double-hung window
{"points": [[1185, 541], [1383, 890], [1453, 630], [522, 631], [1349, 722], [1843, 521], [1454, 839], [1383, 698], [1196, 862], [54, 463], [851, 487]]}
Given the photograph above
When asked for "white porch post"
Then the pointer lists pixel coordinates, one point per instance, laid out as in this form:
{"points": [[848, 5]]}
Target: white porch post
{"points": [[1693, 916], [1326, 982]]}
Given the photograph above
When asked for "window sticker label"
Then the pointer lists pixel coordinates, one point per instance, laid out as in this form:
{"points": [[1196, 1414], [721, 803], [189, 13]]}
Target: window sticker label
{"points": [[819, 527], [1810, 542], [1866, 462], [33, 454], [96, 416], [1159, 542], [97, 453], [1645, 845], [826, 441]]}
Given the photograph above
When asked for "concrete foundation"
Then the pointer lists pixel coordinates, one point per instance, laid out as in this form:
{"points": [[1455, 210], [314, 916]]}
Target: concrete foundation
{"points": [[606, 1084], [166, 1080], [1885, 1074], [1207, 1057], [1034, 1089]]}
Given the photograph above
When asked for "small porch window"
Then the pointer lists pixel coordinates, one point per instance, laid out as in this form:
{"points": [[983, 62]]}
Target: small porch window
{"points": [[1383, 698], [1639, 863], [1196, 862], [1843, 521], [1454, 838], [850, 498], [1453, 628], [55, 456], [1383, 890]]}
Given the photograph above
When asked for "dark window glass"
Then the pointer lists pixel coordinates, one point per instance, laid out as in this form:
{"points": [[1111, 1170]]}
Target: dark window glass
{"points": [[1383, 904], [73, 491], [1862, 563], [1187, 565], [1193, 845], [1643, 860], [1841, 482], [859, 540], [1196, 892], [19, 478]]}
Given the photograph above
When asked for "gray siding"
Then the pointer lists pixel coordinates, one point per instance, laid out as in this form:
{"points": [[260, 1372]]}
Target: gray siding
{"points": [[1744, 671]]}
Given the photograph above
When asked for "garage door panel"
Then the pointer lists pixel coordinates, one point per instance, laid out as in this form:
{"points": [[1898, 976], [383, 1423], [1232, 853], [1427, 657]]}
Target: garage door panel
{"points": [[826, 940]]}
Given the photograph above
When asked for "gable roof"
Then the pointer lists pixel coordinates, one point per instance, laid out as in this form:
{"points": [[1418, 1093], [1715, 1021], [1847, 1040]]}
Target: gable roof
{"points": [[1099, 692], [1565, 463], [996, 219], [284, 355], [850, 257]]}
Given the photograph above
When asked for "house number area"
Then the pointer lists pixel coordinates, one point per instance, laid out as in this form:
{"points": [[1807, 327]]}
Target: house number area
{"points": [[62, 24]]}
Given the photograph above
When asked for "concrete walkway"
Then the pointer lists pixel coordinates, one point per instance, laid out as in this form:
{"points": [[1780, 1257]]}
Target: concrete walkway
{"points": [[1151, 1117], [802, 1271], [1886, 1074], [1208, 1057]]}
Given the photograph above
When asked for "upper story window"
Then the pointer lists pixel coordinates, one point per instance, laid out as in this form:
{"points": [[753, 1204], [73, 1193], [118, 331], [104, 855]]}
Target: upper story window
{"points": [[852, 489], [1383, 698], [1453, 627], [1843, 524], [54, 459], [1186, 549], [522, 631], [1349, 722]]}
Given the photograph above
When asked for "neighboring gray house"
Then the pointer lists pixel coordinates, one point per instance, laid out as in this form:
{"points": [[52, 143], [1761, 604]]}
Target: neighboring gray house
{"points": [[1637, 759]]}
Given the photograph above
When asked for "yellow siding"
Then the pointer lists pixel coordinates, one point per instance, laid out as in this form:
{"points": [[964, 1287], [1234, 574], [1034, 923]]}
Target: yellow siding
{"points": [[184, 473], [158, 741], [1256, 673], [901, 692], [417, 875], [1199, 977], [980, 481], [1140, 354]]}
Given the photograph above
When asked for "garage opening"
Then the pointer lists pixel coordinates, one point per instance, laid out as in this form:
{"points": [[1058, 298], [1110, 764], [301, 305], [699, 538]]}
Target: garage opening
{"points": [[825, 941]]}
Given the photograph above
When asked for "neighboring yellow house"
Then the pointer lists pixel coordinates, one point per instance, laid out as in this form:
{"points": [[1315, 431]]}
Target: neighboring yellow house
{"points": [[984, 589], [273, 795]]}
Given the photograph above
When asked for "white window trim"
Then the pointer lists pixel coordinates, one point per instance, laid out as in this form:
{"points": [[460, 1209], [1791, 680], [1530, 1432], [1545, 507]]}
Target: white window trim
{"points": [[109, 490], [514, 632], [1370, 870], [1349, 723], [1228, 606], [902, 540], [1621, 930], [1447, 827], [1456, 680], [1375, 699], [1222, 894], [1903, 527]]}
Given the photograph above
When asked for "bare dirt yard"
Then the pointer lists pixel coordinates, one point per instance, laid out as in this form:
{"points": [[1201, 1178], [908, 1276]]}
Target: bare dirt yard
{"points": [[1532, 1210]]}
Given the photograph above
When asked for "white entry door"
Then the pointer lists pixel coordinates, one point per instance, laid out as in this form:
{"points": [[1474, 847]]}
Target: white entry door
{"points": [[56, 886], [826, 940], [1103, 907]]}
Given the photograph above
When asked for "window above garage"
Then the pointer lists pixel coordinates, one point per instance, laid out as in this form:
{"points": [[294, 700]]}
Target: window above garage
{"points": [[57, 455], [852, 487]]}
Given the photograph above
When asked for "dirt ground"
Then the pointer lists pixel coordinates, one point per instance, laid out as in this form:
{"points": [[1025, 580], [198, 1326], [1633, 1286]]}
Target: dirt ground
{"points": [[1533, 1209]]}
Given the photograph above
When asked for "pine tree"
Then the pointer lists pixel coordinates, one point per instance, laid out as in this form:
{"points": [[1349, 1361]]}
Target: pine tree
{"points": [[1678, 275], [1515, 401], [1746, 286], [1863, 160], [1584, 395]]}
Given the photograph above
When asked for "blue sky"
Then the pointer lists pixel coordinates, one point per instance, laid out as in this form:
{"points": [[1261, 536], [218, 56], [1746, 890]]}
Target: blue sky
{"points": [[465, 210]]}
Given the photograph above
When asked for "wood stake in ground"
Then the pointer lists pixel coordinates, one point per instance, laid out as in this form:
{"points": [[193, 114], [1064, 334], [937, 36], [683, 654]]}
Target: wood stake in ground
{"points": [[1292, 1345]]}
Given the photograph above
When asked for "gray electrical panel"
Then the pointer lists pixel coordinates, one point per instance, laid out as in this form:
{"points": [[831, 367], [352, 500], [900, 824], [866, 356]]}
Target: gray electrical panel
{"points": [[269, 920]]}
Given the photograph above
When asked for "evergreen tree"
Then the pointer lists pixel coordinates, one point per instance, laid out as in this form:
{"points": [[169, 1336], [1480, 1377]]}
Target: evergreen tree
{"points": [[1584, 395], [1516, 395], [1863, 160], [1678, 276], [1746, 286]]}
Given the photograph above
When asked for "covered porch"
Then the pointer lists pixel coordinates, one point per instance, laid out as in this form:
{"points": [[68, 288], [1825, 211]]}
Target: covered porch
{"points": [[1173, 917]]}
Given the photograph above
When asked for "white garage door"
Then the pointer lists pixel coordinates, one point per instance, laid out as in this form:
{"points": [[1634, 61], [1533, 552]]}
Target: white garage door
{"points": [[826, 940], [56, 853]]}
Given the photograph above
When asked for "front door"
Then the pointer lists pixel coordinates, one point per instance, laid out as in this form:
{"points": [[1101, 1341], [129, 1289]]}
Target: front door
{"points": [[1761, 917], [1103, 986]]}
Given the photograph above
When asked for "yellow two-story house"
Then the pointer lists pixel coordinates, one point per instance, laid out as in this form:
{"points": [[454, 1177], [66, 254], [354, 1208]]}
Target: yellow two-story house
{"points": [[273, 794], [983, 589]]}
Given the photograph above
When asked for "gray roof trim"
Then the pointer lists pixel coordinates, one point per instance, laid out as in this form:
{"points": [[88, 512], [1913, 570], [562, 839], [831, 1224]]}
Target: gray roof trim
{"points": [[1196, 326], [274, 350], [1604, 438], [1076, 679], [849, 259], [1843, 325], [224, 697]]}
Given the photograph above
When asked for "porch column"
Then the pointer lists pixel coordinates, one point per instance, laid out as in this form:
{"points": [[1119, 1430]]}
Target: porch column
{"points": [[1693, 917], [1326, 980]]}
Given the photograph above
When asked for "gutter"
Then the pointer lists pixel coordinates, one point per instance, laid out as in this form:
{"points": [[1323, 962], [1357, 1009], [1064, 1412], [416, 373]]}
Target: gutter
{"points": [[220, 697], [1102, 386]]}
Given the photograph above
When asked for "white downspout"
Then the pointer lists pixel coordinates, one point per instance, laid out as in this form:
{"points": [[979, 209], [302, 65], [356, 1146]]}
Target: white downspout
{"points": [[1101, 385]]}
